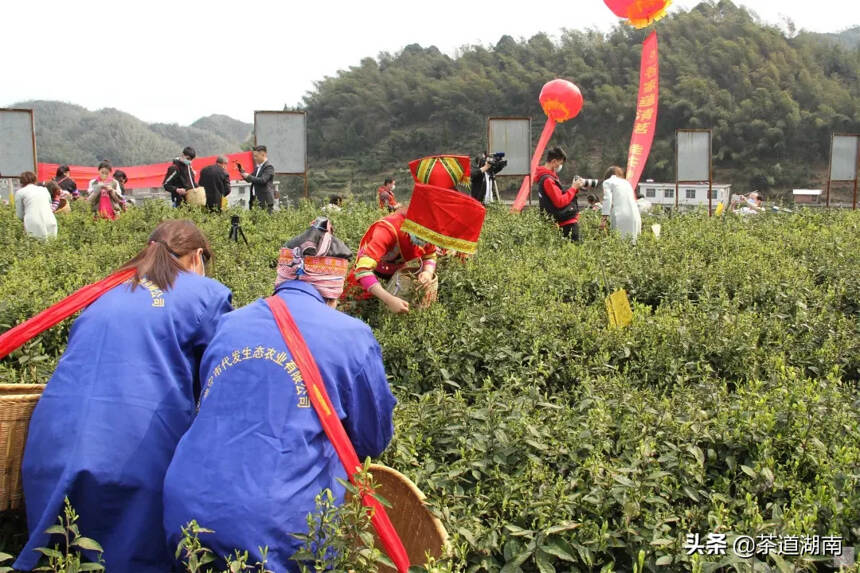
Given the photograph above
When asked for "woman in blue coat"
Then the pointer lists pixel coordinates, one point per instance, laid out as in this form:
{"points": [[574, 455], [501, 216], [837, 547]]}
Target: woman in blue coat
{"points": [[122, 395], [256, 455]]}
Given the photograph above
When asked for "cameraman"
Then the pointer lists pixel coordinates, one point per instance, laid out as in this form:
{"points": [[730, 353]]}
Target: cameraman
{"points": [[481, 178], [557, 202]]}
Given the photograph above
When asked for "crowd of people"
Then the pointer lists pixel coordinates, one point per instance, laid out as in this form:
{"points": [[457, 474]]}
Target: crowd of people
{"points": [[620, 208], [107, 194]]}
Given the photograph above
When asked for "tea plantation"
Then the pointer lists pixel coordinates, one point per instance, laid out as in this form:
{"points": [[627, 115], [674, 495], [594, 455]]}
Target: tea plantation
{"points": [[545, 440]]}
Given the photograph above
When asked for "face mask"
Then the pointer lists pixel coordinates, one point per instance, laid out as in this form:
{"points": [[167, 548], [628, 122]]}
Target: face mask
{"points": [[202, 271], [393, 187], [558, 169]]}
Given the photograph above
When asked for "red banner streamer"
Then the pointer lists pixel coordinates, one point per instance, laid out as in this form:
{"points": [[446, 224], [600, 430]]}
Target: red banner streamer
{"points": [[646, 111], [15, 337], [143, 176], [523, 194]]}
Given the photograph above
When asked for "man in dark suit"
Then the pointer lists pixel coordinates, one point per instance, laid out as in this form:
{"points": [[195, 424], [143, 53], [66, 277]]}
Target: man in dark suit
{"points": [[215, 179], [262, 181]]}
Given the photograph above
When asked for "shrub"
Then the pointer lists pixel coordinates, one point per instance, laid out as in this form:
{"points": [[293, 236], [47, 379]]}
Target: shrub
{"points": [[545, 440]]}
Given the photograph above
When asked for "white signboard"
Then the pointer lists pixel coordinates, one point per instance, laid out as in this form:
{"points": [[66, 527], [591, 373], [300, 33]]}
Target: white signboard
{"points": [[694, 156], [17, 150], [284, 133], [511, 135], [843, 158]]}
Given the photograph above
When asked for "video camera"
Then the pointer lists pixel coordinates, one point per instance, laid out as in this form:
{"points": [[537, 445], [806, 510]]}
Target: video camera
{"points": [[496, 161]]}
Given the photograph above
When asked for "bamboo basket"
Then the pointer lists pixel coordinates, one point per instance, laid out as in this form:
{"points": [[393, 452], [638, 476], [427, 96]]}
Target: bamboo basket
{"points": [[420, 531], [17, 402]]}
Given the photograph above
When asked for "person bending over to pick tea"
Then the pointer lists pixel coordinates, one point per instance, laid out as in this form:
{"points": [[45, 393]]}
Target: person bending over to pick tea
{"points": [[401, 248], [122, 395], [256, 456]]}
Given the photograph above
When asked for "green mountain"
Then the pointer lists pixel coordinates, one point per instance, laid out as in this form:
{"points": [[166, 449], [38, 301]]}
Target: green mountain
{"points": [[67, 133], [847, 39], [224, 126], [771, 100]]}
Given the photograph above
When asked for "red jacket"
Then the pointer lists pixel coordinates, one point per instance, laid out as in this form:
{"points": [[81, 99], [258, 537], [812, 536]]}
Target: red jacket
{"points": [[560, 198], [386, 198]]}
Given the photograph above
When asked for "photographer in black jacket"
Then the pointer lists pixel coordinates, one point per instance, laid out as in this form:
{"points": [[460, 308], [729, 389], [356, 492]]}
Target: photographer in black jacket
{"points": [[483, 177]]}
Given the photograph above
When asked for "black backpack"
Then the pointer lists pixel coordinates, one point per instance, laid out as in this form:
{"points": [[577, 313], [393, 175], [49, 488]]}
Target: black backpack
{"points": [[566, 213]]}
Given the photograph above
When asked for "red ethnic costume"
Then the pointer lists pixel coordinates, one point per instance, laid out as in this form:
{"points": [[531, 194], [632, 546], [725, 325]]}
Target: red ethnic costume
{"points": [[407, 243]]}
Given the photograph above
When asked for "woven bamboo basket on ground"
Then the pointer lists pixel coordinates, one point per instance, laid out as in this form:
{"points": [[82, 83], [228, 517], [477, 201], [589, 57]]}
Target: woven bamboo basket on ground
{"points": [[420, 531], [16, 406]]}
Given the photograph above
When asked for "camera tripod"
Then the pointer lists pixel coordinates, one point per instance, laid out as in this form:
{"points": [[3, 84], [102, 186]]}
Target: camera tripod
{"points": [[494, 190], [236, 230]]}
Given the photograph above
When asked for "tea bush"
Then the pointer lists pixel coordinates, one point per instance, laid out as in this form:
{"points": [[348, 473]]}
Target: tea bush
{"points": [[545, 440]]}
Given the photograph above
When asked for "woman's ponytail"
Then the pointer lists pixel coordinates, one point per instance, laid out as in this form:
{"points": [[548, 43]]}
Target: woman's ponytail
{"points": [[158, 262]]}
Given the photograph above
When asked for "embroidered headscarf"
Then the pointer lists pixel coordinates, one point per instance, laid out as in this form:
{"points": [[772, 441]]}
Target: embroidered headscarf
{"points": [[316, 257]]}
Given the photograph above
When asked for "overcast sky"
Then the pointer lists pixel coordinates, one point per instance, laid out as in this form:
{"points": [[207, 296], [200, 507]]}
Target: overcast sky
{"points": [[175, 61]]}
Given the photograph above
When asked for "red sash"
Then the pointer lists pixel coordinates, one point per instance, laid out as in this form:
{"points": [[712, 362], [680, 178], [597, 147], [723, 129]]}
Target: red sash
{"points": [[334, 428], [33, 327]]}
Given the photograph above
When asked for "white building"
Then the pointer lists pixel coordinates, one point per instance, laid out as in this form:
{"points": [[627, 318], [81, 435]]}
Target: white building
{"points": [[689, 195], [806, 196]]}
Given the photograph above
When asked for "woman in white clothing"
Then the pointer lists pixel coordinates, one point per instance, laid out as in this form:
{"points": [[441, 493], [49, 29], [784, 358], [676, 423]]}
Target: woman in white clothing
{"points": [[619, 204], [33, 206]]}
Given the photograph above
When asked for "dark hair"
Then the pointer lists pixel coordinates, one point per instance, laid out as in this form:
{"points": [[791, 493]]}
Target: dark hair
{"points": [[613, 170], [105, 165], [261, 148], [27, 178], [189, 152], [556, 153], [592, 198], [335, 200], [388, 180], [159, 260], [120, 174], [53, 188], [62, 170]]}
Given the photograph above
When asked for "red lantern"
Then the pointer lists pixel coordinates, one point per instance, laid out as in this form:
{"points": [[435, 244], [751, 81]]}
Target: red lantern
{"points": [[561, 100], [639, 13]]}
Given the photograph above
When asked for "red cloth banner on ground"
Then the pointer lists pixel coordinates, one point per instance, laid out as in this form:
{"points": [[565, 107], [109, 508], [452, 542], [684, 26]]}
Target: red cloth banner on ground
{"points": [[646, 111], [29, 329], [144, 176]]}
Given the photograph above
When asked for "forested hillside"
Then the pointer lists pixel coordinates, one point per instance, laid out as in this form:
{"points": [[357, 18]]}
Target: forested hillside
{"points": [[771, 100], [67, 133], [772, 97]]}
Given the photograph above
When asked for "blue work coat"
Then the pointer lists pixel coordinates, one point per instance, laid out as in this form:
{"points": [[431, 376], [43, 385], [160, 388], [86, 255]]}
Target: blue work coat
{"points": [[256, 455], [111, 415]]}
